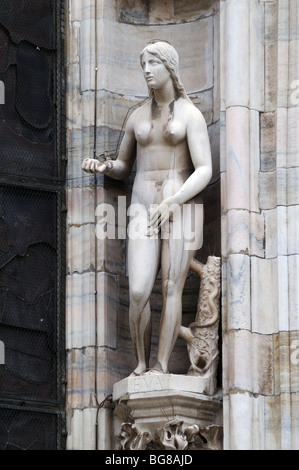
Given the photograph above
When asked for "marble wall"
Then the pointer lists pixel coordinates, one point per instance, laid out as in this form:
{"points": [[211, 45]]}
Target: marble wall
{"points": [[259, 173]]}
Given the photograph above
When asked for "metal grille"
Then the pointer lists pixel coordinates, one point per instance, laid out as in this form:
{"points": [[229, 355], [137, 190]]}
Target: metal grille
{"points": [[14, 426], [28, 70], [32, 225]]}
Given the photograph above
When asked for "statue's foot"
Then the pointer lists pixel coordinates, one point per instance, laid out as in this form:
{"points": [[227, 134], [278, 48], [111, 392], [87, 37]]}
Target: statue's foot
{"points": [[156, 370], [153, 372], [134, 374], [138, 371]]}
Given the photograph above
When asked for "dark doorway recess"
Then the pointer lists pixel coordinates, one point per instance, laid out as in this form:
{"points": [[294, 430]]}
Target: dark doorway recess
{"points": [[32, 225]]}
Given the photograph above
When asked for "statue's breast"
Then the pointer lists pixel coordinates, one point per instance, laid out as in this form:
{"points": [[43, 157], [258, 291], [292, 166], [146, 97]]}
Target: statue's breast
{"points": [[174, 132], [148, 132], [143, 133]]}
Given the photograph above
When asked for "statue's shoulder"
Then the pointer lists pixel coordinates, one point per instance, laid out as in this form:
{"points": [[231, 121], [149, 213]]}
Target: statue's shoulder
{"points": [[139, 110], [190, 111], [142, 106], [190, 106], [133, 118]]}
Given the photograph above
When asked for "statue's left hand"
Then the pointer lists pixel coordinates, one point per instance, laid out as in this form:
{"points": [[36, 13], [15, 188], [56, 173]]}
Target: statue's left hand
{"points": [[163, 213]]}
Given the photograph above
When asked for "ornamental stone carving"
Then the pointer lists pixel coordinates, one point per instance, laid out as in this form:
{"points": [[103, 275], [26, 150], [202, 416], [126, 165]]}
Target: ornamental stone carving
{"points": [[171, 436], [202, 334]]}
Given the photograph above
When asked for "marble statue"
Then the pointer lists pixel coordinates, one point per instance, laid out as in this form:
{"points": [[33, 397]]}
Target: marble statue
{"points": [[173, 166]]}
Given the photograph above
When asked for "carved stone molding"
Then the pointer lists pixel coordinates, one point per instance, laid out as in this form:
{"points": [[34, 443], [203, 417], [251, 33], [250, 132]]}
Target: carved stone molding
{"points": [[171, 436], [130, 438]]}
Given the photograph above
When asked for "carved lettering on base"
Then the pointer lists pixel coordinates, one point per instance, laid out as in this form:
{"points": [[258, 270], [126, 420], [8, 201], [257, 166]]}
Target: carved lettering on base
{"points": [[150, 383]]}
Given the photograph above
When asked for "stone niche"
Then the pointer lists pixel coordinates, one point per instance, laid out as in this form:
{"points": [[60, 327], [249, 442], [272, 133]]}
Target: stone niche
{"points": [[192, 26]]}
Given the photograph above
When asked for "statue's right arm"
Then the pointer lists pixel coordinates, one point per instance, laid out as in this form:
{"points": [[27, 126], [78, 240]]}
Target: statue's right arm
{"points": [[121, 167]]}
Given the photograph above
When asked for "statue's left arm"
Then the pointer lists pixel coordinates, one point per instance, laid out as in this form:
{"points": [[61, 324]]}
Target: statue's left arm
{"points": [[200, 152]]}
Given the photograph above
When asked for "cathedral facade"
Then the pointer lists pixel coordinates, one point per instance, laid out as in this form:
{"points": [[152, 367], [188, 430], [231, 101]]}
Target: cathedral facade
{"points": [[70, 78]]}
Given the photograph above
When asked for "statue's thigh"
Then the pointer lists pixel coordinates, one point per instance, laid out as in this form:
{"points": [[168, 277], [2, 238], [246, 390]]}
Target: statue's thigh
{"points": [[182, 238], [143, 263]]}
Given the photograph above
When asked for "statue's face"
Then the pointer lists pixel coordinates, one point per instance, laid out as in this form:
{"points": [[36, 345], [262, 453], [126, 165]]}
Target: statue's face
{"points": [[155, 73]]}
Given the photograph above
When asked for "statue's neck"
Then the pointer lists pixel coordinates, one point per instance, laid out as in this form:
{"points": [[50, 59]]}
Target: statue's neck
{"points": [[165, 96]]}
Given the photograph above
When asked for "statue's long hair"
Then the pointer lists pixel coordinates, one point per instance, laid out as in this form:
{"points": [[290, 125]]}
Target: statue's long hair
{"points": [[169, 56]]}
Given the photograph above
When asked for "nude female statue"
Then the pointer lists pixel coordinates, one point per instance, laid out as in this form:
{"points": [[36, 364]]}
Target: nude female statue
{"points": [[173, 167]]}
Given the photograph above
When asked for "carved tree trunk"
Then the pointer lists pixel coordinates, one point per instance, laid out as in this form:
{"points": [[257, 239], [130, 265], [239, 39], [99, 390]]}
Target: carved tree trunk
{"points": [[202, 334]]}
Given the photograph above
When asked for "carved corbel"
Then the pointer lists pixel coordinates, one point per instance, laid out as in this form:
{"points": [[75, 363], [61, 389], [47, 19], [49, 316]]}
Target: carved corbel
{"points": [[171, 436], [130, 438]]}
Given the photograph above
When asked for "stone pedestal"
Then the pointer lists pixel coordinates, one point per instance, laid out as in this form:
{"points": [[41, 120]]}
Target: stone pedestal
{"points": [[148, 404]]}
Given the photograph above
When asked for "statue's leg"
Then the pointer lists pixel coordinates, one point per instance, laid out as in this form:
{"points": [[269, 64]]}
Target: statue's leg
{"points": [[143, 265], [176, 256]]}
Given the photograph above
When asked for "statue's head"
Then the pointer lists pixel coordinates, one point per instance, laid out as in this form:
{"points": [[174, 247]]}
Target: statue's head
{"points": [[169, 56]]}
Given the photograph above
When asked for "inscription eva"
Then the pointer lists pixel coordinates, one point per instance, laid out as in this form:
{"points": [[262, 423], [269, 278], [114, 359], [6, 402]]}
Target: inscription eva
{"points": [[147, 384]]}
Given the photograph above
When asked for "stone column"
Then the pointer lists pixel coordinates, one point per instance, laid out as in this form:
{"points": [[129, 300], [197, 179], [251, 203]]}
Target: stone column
{"points": [[259, 168], [88, 284]]}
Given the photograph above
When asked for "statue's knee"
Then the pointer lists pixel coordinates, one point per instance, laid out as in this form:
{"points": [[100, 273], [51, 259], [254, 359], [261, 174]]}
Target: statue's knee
{"points": [[169, 287], [137, 298]]}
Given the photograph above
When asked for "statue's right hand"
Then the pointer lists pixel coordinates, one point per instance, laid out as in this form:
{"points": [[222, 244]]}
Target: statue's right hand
{"points": [[91, 165]]}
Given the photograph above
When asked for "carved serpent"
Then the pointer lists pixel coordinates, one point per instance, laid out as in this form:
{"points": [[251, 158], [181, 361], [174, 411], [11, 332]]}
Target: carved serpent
{"points": [[202, 336], [211, 300]]}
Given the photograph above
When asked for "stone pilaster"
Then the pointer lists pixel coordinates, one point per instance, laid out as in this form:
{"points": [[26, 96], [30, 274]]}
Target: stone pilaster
{"points": [[84, 279], [260, 235]]}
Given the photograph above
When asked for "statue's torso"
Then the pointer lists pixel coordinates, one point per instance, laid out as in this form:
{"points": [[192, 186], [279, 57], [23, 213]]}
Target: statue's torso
{"points": [[163, 158]]}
